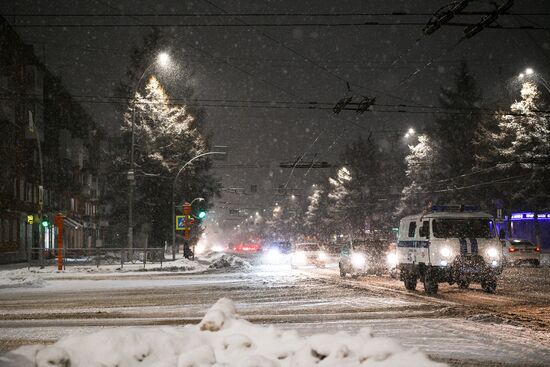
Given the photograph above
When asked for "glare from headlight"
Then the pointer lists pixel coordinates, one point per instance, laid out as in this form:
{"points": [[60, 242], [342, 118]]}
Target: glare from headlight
{"points": [[199, 249], [273, 255], [299, 257], [217, 248], [358, 260], [392, 259], [322, 256], [492, 252]]}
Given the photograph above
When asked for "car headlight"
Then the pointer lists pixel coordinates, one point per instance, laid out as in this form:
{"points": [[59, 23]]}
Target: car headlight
{"points": [[445, 252], [322, 256], [358, 260], [273, 254], [299, 257], [492, 252], [392, 259]]}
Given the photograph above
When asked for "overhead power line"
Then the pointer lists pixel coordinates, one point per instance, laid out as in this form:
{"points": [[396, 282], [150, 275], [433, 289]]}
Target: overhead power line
{"points": [[294, 105], [274, 14], [267, 25]]}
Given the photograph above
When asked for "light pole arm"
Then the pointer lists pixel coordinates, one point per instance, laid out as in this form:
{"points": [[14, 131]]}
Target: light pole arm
{"points": [[195, 199], [186, 164]]}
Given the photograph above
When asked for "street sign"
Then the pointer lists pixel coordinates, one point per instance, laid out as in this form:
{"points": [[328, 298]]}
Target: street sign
{"points": [[180, 222], [184, 222]]}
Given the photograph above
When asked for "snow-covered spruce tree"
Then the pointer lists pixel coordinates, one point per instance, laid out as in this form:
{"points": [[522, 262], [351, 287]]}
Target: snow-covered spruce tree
{"points": [[358, 193], [166, 137], [454, 132], [313, 202], [524, 139], [316, 212], [286, 220], [392, 176], [341, 203], [488, 145], [441, 163], [420, 173]]}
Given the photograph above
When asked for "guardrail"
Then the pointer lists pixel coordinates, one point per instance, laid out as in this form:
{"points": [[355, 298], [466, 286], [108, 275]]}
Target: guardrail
{"points": [[97, 256]]}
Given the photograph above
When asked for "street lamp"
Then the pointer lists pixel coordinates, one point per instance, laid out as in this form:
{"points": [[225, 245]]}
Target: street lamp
{"points": [[163, 60], [530, 72], [410, 133], [174, 197]]}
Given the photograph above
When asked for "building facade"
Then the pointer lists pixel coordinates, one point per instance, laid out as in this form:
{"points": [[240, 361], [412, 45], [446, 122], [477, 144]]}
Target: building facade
{"points": [[49, 154]]}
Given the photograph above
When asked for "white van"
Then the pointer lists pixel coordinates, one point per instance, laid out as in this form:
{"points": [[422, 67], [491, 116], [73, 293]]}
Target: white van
{"points": [[449, 243]]}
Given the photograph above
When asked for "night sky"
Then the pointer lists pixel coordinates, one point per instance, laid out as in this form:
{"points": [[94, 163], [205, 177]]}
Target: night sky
{"points": [[295, 63]]}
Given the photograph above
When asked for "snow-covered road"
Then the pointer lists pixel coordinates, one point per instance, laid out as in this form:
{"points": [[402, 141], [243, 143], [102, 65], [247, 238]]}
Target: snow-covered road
{"points": [[463, 327]]}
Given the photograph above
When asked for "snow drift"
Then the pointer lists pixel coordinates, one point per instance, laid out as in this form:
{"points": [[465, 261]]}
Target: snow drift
{"points": [[20, 278], [220, 339]]}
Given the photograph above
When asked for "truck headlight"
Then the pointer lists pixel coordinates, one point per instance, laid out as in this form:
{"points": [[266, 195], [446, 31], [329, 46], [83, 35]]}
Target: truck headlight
{"points": [[445, 252], [358, 260], [392, 259], [299, 257], [492, 252], [322, 256]]}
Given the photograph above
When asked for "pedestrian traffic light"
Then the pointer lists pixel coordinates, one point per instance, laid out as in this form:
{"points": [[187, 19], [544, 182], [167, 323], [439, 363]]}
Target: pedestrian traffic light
{"points": [[202, 214], [45, 222]]}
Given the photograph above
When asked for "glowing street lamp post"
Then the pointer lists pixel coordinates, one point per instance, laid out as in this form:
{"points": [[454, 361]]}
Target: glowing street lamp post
{"points": [[174, 197]]}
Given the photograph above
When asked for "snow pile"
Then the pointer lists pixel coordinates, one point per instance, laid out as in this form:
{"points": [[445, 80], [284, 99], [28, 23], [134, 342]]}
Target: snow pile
{"points": [[20, 278], [545, 259], [182, 264], [221, 339], [221, 260]]}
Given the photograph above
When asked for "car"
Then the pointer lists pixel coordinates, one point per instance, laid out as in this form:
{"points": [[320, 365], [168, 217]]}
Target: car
{"points": [[517, 251], [246, 248], [308, 253], [360, 257], [276, 252]]}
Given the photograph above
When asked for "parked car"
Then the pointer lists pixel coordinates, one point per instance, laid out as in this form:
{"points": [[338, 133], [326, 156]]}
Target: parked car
{"points": [[517, 251], [308, 253]]}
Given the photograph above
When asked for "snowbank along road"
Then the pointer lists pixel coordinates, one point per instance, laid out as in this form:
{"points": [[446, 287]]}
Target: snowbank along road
{"points": [[460, 327]]}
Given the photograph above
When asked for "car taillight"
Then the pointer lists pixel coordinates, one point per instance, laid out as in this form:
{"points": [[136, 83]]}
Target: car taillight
{"points": [[537, 249], [512, 249]]}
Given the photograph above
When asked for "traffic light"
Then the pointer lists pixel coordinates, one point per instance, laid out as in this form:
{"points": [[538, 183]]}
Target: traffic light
{"points": [[45, 222], [202, 214]]}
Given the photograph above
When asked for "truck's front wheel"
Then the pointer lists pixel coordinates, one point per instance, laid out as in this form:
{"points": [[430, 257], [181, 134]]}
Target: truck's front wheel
{"points": [[430, 283], [410, 282], [489, 285]]}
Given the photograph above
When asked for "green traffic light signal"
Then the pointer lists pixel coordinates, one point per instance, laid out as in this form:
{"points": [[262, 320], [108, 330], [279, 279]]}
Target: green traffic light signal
{"points": [[202, 214], [45, 222]]}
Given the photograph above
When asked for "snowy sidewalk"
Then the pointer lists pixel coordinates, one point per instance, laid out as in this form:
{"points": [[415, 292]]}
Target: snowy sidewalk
{"points": [[15, 276]]}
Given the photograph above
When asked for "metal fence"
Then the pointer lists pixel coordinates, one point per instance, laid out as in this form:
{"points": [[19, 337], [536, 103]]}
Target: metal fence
{"points": [[96, 256]]}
